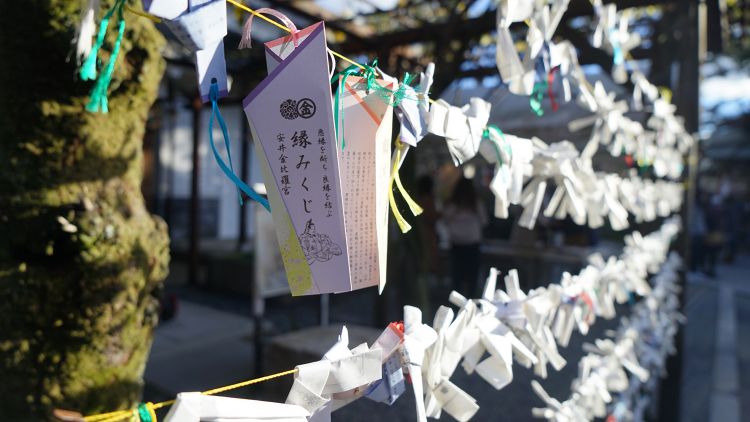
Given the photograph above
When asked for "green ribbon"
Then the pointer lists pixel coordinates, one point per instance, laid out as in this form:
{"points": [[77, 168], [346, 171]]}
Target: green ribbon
{"points": [[537, 95], [98, 98], [486, 135], [389, 96], [369, 73], [399, 94], [351, 70], [144, 414]]}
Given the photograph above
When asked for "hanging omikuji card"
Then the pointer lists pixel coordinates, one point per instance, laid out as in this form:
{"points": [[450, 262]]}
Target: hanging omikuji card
{"points": [[366, 122], [202, 28], [291, 117], [165, 9]]}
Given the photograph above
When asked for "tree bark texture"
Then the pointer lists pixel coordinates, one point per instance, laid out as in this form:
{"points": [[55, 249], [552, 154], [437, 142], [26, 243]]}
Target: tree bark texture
{"points": [[81, 259]]}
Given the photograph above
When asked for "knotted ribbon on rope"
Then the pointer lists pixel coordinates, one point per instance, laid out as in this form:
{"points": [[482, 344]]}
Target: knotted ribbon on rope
{"points": [[146, 412], [369, 73], [98, 98], [228, 170], [496, 130]]}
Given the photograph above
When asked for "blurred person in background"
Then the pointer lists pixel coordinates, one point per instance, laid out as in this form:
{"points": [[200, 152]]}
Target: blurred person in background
{"points": [[714, 233], [733, 210], [698, 235], [427, 224], [465, 218]]}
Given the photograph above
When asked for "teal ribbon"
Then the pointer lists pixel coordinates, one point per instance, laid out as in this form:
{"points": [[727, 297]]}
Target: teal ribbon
{"points": [[144, 414], [337, 107], [98, 98], [537, 95], [389, 96], [369, 73], [213, 95], [399, 95], [486, 135], [618, 56]]}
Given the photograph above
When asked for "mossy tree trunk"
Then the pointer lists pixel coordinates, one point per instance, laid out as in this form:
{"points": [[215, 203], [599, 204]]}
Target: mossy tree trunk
{"points": [[81, 259]]}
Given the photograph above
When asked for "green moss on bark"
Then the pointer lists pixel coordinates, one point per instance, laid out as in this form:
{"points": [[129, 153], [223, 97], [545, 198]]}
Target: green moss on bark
{"points": [[80, 257]]}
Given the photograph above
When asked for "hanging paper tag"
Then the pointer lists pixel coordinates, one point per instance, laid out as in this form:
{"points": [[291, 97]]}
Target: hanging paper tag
{"points": [[365, 177], [211, 66], [201, 26], [166, 9], [392, 385], [291, 117]]}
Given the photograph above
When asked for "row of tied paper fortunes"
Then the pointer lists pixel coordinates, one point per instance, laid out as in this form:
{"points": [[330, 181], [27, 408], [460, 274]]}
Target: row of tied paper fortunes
{"points": [[661, 144], [329, 247], [524, 168], [502, 324], [486, 334], [617, 375], [662, 147]]}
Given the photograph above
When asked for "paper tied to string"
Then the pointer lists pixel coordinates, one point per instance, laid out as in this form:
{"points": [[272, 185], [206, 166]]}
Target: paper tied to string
{"points": [[166, 9], [365, 168], [518, 75], [290, 114], [391, 95], [454, 338], [611, 33], [542, 18], [365, 102], [392, 385], [343, 375], [197, 407], [463, 128], [200, 25]]}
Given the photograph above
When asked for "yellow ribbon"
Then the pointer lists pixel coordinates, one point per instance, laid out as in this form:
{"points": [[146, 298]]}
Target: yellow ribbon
{"points": [[413, 206], [666, 94]]}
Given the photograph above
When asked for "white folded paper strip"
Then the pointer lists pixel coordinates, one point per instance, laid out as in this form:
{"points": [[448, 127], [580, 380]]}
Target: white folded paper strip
{"points": [[196, 407]]}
